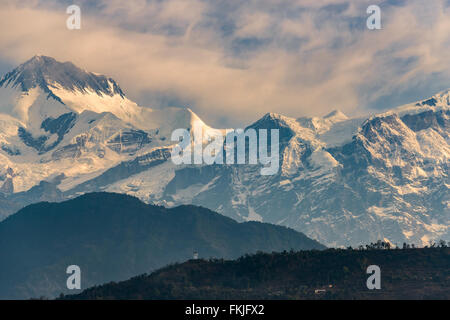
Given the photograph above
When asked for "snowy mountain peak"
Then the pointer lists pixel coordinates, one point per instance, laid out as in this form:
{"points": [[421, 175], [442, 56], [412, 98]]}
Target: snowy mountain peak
{"points": [[336, 115], [47, 73], [272, 120], [277, 120], [439, 101], [273, 115]]}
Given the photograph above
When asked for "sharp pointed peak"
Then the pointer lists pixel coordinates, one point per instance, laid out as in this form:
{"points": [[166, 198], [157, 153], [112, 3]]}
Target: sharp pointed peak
{"points": [[40, 57], [274, 116], [43, 71], [38, 61], [336, 114], [193, 115], [275, 120]]}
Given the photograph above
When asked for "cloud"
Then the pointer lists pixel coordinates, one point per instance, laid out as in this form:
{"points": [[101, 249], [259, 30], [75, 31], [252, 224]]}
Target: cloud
{"points": [[232, 61]]}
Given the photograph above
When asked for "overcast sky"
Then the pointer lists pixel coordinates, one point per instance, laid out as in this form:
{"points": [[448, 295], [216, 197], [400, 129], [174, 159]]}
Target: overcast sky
{"points": [[232, 61]]}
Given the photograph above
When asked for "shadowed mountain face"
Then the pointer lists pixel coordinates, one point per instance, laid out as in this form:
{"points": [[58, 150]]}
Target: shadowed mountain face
{"points": [[112, 237], [43, 72]]}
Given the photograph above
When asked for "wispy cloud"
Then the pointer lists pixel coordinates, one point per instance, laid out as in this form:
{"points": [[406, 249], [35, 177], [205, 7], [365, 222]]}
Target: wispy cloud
{"points": [[232, 61]]}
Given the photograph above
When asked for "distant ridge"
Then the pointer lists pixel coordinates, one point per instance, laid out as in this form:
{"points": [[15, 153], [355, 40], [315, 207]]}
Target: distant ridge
{"points": [[113, 237], [330, 274]]}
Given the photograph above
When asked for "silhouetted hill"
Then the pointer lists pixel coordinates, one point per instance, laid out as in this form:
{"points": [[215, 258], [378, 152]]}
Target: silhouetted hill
{"points": [[405, 274], [113, 237]]}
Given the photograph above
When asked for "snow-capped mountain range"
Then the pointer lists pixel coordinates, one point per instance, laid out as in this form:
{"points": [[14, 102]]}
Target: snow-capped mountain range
{"points": [[343, 181]]}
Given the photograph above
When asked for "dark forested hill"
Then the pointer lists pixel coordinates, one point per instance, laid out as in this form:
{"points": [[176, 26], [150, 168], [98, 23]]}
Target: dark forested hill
{"points": [[113, 237], [338, 274]]}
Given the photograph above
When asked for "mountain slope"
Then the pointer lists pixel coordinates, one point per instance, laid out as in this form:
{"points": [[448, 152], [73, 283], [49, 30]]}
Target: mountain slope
{"points": [[343, 181], [114, 237], [406, 274]]}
